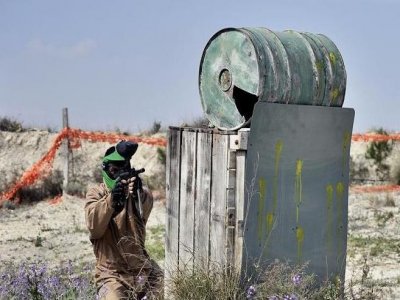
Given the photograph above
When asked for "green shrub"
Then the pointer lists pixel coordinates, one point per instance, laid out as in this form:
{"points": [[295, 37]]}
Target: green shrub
{"points": [[378, 152], [155, 128], [155, 242], [199, 122], [48, 187], [161, 156], [76, 188], [277, 281], [358, 172], [8, 124], [395, 173]]}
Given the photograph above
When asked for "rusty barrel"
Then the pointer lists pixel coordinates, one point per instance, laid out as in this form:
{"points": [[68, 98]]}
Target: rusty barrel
{"points": [[241, 66]]}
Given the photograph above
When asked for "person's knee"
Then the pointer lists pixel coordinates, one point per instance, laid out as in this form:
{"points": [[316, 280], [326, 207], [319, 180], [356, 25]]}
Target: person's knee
{"points": [[112, 291]]}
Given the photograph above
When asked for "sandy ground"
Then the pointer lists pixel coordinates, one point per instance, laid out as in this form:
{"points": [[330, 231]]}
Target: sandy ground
{"points": [[53, 232], [57, 232]]}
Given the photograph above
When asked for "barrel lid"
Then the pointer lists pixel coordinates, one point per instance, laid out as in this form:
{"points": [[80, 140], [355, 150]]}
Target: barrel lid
{"points": [[228, 75]]}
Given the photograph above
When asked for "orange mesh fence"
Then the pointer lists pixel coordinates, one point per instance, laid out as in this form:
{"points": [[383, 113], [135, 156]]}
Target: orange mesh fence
{"points": [[375, 188], [374, 137], [74, 136], [41, 167]]}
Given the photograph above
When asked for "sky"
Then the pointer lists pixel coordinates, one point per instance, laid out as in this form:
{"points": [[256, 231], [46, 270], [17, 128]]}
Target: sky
{"points": [[127, 64]]}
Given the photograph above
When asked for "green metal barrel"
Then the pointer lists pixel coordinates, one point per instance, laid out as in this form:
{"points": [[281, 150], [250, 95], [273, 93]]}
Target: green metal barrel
{"points": [[241, 66]]}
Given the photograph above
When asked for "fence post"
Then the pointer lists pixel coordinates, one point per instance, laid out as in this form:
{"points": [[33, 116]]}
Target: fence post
{"points": [[66, 151]]}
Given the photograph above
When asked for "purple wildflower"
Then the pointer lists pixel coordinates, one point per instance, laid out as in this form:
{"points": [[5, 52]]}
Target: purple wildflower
{"points": [[296, 279], [251, 292], [140, 280], [144, 298], [290, 297]]}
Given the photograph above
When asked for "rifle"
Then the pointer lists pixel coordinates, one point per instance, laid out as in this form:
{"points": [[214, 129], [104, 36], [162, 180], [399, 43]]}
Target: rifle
{"points": [[138, 186]]}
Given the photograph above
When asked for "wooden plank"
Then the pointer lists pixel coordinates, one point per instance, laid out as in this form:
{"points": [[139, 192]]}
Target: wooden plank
{"points": [[230, 234], [240, 194], [218, 198], [66, 151], [172, 201], [187, 199], [202, 203]]}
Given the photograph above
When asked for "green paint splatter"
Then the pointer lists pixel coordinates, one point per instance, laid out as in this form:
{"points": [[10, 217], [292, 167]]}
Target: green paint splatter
{"points": [[300, 241], [262, 186], [298, 187]]}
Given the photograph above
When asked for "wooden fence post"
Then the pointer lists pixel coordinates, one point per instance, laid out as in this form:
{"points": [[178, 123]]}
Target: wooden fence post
{"points": [[66, 151]]}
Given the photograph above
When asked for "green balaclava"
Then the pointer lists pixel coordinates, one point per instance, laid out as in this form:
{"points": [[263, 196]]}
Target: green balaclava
{"points": [[114, 156], [123, 151]]}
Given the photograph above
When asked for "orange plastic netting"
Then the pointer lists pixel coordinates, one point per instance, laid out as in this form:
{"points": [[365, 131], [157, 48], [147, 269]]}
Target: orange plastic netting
{"points": [[41, 167], [375, 188], [374, 137]]}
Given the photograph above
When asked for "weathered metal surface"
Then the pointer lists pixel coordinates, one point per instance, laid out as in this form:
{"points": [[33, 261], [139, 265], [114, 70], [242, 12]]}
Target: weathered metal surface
{"points": [[240, 67], [297, 181]]}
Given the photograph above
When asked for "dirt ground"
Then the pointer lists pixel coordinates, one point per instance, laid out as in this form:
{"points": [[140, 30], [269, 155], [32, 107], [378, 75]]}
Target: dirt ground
{"points": [[53, 232], [56, 232]]}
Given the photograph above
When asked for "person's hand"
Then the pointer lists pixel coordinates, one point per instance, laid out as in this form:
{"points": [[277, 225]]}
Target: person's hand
{"points": [[131, 185], [118, 196]]}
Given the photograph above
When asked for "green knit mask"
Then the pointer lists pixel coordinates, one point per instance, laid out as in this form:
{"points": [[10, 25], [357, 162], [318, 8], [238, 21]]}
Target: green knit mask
{"points": [[108, 181], [114, 156]]}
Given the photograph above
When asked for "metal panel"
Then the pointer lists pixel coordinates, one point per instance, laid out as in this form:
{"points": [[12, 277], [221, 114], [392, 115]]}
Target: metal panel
{"points": [[298, 160]]}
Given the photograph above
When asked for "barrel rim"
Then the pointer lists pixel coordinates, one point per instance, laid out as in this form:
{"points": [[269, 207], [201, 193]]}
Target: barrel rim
{"points": [[214, 36]]}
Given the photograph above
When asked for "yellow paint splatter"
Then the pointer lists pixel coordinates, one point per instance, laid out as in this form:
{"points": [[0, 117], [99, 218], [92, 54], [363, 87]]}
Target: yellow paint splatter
{"points": [[339, 195], [345, 146], [332, 58], [329, 196], [262, 186], [340, 190], [320, 65], [298, 187], [270, 222], [339, 225], [329, 206], [278, 154], [334, 95], [300, 240]]}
